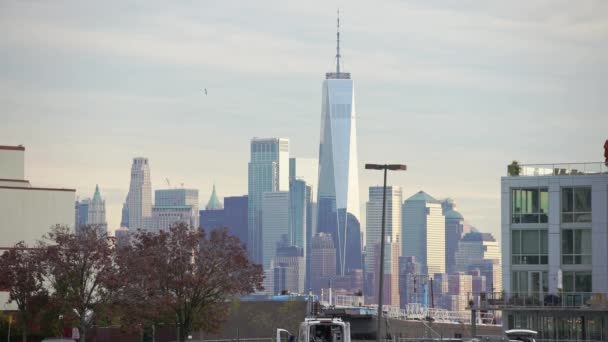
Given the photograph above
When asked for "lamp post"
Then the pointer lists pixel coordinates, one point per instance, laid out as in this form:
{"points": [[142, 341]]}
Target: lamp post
{"points": [[385, 167]]}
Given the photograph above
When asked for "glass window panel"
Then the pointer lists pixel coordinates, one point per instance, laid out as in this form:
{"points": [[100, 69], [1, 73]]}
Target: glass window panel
{"points": [[535, 201], [582, 282], [544, 242], [545, 282], [523, 281], [529, 218], [516, 242], [586, 259], [567, 260], [566, 218], [531, 259], [567, 205], [530, 242], [568, 281], [582, 217], [582, 199], [524, 201], [544, 259], [516, 199], [544, 201], [567, 241], [544, 218]]}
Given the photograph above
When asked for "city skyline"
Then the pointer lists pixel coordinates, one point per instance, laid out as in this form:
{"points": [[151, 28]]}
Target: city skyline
{"points": [[524, 70]]}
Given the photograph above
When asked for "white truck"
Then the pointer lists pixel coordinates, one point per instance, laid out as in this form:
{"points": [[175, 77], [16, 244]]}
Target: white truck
{"points": [[318, 330]]}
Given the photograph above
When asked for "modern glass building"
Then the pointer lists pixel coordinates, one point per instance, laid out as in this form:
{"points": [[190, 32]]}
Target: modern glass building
{"points": [[300, 219], [554, 235], [423, 232], [268, 172], [338, 190]]}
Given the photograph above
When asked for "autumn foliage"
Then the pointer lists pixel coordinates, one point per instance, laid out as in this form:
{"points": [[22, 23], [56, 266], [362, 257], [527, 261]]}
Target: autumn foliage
{"points": [[182, 277]]}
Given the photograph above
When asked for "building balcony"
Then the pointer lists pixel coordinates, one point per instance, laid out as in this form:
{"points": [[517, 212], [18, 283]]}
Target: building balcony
{"points": [[562, 169], [587, 301]]}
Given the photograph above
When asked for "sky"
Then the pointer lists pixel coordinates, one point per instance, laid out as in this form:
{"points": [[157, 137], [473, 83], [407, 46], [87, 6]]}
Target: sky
{"points": [[454, 89]]}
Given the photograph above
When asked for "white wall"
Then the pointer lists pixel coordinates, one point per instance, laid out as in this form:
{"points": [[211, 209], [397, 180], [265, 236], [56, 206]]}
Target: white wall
{"points": [[11, 164], [27, 214]]}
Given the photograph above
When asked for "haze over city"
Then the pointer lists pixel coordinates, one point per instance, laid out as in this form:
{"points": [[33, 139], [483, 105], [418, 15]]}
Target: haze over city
{"points": [[454, 92]]}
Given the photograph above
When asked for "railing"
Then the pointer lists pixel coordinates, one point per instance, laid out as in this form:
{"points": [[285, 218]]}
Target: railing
{"points": [[522, 300], [562, 169]]}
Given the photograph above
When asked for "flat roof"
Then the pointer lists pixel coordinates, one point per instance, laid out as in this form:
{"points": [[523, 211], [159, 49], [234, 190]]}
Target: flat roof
{"points": [[14, 148], [14, 180], [33, 188]]}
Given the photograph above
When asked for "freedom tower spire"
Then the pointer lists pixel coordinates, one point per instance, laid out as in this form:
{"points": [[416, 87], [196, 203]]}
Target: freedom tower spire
{"points": [[338, 190]]}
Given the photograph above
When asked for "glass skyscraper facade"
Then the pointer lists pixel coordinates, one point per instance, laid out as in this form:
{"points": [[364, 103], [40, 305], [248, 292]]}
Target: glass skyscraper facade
{"points": [[338, 190], [268, 172]]}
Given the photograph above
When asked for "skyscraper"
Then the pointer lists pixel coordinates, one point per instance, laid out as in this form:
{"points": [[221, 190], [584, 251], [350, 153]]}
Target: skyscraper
{"points": [[374, 223], [338, 190], [275, 223], [268, 172], [235, 217], [97, 210], [423, 234], [172, 206], [140, 194], [300, 219], [323, 261], [91, 211]]}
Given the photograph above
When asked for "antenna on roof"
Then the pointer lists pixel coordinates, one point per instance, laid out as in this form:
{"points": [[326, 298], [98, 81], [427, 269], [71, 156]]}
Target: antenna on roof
{"points": [[338, 45]]}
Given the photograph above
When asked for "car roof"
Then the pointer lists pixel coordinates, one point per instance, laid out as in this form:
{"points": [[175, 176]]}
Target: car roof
{"points": [[520, 331]]}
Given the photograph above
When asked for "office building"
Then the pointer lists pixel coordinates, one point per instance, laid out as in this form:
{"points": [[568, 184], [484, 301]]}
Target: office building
{"points": [[554, 235], [338, 190], [374, 226], [235, 217], [391, 272], [423, 232], [300, 219], [275, 223], [323, 261], [290, 269], [172, 206], [268, 171], [475, 247], [140, 194], [306, 169], [91, 212], [213, 217]]}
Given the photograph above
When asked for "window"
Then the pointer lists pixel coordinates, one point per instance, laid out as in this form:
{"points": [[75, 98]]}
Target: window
{"points": [[577, 281], [576, 246], [529, 247], [529, 205], [576, 204]]}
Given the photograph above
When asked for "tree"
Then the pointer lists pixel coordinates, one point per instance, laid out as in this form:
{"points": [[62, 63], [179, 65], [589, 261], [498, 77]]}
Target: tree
{"points": [[80, 270], [184, 276], [22, 275]]}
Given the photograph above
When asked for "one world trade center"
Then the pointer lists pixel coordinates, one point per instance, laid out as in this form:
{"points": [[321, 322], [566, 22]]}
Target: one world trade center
{"points": [[338, 191]]}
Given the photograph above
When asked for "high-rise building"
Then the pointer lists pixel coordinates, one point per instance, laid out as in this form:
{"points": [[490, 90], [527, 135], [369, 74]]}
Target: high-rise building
{"points": [[275, 223], [554, 236], [292, 269], [323, 261], [268, 172], [91, 212], [124, 219], [454, 231], [172, 206], [391, 272], [473, 248], [306, 169], [235, 217], [374, 225], [423, 232], [140, 194], [300, 219], [338, 190], [213, 217]]}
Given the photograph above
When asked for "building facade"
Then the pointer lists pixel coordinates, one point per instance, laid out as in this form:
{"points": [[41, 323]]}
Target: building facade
{"points": [[338, 190], [475, 247], [27, 212], [554, 235], [423, 232], [268, 171], [374, 226], [173, 206], [139, 199], [275, 224], [323, 261]]}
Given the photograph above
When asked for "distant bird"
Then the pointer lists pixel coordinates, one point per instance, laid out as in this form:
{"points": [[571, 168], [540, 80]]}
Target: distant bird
{"points": [[205, 91]]}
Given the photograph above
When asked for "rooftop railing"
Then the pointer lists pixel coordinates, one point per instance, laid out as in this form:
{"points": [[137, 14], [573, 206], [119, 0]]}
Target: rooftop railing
{"points": [[527, 300], [562, 169]]}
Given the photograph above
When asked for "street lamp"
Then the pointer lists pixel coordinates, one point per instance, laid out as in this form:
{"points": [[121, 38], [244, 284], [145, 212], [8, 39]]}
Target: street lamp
{"points": [[385, 167]]}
